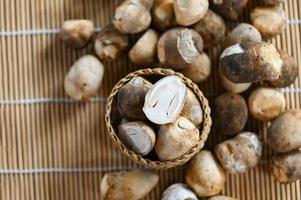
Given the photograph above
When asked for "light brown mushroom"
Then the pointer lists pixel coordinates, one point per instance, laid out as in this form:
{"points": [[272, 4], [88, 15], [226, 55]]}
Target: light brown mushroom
{"points": [[110, 43], [251, 62], [284, 132], [176, 139], [84, 78], [129, 185], [179, 47], [77, 33], [212, 28], [137, 136], [145, 49], [240, 153], [266, 104], [204, 174], [270, 21]]}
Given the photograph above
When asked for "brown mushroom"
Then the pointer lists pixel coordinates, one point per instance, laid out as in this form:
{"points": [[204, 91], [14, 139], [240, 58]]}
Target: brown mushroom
{"points": [[233, 87], [230, 9], [163, 14]]}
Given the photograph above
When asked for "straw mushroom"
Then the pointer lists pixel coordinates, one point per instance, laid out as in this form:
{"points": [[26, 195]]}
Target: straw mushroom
{"points": [[204, 174], [242, 32], [286, 168], [163, 14], [178, 191], [230, 113], [77, 33], [192, 109], [130, 98], [199, 70], [266, 103], [251, 62], [130, 185], [220, 197], [137, 136], [84, 78], [284, 132], [165, 100], [189, 12], [270, 21], [212, 28], [233, 87], [133, 16], [145, 49], [289, 71], [230, 9], [179, 47], [110, 43], [175, 139], [240, 153]]}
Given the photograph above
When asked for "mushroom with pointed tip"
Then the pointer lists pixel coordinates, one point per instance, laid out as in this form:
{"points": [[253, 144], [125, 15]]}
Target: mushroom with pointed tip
{"points": [[270, 21], [266, 104], [133, 16], [204, 174], [110, 43], [77, 33], [137, 136], [130, 98], [242, 32], [179, 47], [130, 185], [145, 49], [178, 191], [284, 132], [165, 100], [175, 139], [84, 78], [251, 62], [189, 12], [240, 153]]}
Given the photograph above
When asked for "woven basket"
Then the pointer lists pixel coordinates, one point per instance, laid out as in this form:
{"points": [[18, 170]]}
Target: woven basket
{"points": [[205, 128]]}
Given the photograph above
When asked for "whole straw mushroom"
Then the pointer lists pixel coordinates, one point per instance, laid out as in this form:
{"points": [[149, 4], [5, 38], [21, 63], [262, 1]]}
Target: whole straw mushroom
{"points": [[212, 28], [230, 9], [230, 113], [266, 104], [133, 16], [289, 71], [178, 191], [233, 87], [77, 33], [242, 32], [199, 70], [163, 14], [137, 136], [179, 47], [145, 49], [240, 153], [189, 12], [84, 78], [251, 62], [270, 21], [130, 98], [286, 168], [284, 132], [129, 185], [165, 100], [175, 139], [204, 175], [110, 43]]}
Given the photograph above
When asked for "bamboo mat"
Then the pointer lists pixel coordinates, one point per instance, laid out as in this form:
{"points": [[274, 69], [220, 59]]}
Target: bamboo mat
{"points": [[54, 148]]}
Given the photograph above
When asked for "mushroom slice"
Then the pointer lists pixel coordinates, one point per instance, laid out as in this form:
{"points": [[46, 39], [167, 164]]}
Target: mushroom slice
{"points": [[165, 100]]}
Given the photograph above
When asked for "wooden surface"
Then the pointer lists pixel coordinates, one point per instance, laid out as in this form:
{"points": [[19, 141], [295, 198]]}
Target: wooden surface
{"points": [[54, 148]]}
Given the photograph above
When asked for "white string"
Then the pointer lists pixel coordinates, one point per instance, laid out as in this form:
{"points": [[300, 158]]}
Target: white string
{"points": [[48, 100], [56, 30], [35, 32]]}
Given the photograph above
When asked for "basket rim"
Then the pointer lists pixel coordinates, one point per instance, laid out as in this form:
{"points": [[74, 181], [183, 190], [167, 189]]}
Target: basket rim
{"points": [[156, 164]]}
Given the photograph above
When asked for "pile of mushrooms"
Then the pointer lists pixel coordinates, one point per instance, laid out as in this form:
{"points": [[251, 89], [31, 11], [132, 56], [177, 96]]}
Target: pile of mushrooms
{"points": [[161, 119]]}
